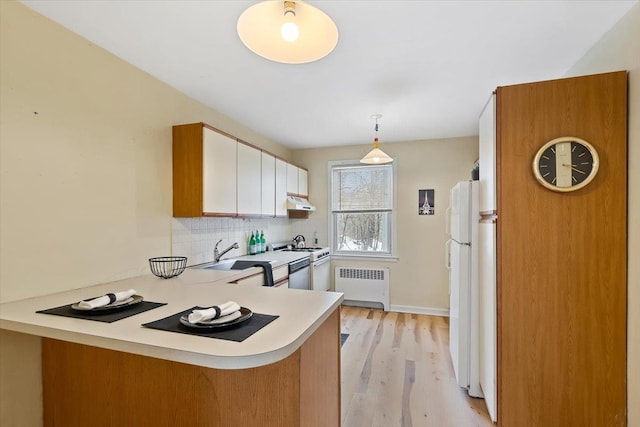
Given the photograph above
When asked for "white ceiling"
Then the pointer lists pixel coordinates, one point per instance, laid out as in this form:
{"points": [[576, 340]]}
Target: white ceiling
{"points": [[427, 66]]}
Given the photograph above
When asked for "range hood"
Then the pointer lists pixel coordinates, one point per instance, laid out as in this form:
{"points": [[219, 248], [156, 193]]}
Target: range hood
{"points": [[295, 203]]}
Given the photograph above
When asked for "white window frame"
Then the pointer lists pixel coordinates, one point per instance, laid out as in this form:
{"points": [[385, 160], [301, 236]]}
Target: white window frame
{"points": [[387, 256]]}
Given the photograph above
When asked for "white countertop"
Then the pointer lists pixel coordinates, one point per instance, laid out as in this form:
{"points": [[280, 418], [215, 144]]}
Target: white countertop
{"points": [[277, 258], [301, 313]]}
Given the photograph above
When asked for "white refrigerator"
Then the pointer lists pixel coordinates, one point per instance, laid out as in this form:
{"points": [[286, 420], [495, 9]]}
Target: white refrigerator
{"points": [[462, 261]]}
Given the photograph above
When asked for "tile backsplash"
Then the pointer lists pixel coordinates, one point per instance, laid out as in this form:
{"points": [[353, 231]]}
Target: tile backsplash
{"points": [[195, 238]]}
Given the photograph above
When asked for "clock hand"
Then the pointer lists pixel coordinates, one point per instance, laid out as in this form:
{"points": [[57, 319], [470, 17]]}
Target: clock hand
{"points": [[578, 170], [573, 167]]}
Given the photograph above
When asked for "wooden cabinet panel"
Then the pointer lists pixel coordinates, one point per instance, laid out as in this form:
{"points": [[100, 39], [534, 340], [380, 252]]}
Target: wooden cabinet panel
{"points": [[249, 180], [219, 166], [85, 385], [268, 184], [561, 267], [281, 187], [187, 170]]}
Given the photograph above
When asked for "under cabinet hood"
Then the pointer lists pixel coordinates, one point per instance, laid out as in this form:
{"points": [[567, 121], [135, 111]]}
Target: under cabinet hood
{"points": [[295, 203]]}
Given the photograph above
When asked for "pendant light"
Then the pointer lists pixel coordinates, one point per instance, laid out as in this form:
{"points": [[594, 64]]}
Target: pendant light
{"points": [[291, 32], [376, 156]]}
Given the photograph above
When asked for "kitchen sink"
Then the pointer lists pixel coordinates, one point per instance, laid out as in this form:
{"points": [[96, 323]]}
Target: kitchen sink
{"points": [[231, 264], [222, 265]]}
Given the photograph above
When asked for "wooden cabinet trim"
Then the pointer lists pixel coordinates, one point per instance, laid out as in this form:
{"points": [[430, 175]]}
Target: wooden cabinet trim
{"points": [[218, 130]]}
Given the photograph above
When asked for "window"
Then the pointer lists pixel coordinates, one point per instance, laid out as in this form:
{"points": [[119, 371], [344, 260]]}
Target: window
{"points": [[362, 206]]}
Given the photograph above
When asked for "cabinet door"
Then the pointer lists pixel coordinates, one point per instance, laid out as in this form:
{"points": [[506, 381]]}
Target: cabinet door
{"points": [[281, 187], [268, 185], [219, 173], [249, 180], [292, 178], [302, 182], [488, 157]]}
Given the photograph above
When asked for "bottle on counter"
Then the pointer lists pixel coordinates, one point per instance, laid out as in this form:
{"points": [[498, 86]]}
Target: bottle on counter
{"points": [[257, 242], [252, 244], [263, 242]]}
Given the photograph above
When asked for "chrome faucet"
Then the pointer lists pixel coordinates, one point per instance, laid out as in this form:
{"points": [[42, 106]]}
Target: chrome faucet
{"points": [[217, 254]]}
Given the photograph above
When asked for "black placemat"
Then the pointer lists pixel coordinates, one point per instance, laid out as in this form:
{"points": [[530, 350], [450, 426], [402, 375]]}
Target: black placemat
{"points": [[101, 316], [236, 333]]}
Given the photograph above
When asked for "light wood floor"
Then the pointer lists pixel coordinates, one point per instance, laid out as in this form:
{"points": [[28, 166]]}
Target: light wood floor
{"points": [[396, 371]]}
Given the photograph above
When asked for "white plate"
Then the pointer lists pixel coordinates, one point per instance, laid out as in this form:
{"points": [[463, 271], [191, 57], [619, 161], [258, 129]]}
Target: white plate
{"points": [[245, 314], [136, 299]]}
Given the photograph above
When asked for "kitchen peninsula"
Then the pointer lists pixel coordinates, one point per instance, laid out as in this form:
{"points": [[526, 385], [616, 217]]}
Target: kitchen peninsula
{"points": [[286, 374]]}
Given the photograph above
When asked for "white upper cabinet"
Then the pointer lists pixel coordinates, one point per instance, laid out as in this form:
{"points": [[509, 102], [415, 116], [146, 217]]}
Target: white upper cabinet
{"points": [[302, 182], [268, 184], [292, 178], [249, 180], [215, 174], [281, 187], [219, 173], [297, 180], [487, 162]]}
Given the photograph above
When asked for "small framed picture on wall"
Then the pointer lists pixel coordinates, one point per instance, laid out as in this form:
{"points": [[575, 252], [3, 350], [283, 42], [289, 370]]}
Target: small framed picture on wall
{"points": [[426, 202]]}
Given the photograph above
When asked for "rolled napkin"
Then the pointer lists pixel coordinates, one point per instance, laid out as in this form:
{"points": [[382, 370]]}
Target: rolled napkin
{"points": [[223, 319], [215, 312], [107, 299]]}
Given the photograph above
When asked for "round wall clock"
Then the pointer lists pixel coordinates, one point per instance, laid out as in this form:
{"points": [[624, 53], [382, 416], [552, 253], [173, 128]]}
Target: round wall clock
{"points": [[565, 164]]}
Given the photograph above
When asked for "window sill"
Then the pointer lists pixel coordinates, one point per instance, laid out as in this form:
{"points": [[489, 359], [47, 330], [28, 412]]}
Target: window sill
{"points": [[359, 257]]}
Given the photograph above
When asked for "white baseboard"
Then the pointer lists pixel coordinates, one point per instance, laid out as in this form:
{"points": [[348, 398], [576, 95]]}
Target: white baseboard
{"points": [[366, 304], [401, 308], [430, 311]]}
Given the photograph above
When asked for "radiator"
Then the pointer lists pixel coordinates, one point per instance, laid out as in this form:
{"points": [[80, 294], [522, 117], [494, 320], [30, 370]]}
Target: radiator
{"points": [[363, 284]]}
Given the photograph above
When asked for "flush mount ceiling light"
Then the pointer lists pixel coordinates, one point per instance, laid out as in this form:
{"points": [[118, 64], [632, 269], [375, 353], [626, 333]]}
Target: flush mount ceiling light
{"points": [[376, 156], [291, 32]]}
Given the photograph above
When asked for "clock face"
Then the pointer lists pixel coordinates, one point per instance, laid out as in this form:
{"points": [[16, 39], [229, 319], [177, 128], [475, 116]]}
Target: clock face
{"points": [[565, 164]]}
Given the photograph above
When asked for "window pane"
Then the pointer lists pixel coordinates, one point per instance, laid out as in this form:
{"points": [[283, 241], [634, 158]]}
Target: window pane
{"points": [[362, 232], [362, 188]]}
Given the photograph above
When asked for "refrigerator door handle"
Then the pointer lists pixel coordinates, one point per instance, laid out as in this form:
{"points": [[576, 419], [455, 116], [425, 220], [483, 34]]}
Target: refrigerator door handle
{"points": [[447, 222], [447, 254]]}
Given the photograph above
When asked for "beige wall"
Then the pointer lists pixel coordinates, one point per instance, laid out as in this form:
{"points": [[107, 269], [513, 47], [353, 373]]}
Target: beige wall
{"points": [[619, 49], [419, 280], [85, 175]]}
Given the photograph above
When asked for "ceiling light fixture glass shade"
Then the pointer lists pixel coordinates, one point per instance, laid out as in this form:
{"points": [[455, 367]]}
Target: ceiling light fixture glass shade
{"points": [[376, 156], [291, 32]]}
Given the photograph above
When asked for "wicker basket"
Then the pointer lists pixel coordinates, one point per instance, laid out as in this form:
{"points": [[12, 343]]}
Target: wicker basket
{"points": [[168, 266]]}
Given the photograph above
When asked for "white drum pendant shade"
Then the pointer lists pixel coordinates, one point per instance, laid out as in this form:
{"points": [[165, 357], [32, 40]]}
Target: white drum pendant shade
{"points": [[260, 29]]}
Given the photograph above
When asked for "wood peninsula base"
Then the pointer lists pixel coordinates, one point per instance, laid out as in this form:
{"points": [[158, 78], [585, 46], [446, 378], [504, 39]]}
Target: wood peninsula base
{"points": [[85, 385]]}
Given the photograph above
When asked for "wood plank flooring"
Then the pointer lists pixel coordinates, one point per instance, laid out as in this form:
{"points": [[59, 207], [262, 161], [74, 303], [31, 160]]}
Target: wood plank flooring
{"points": [[396, 371]]}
